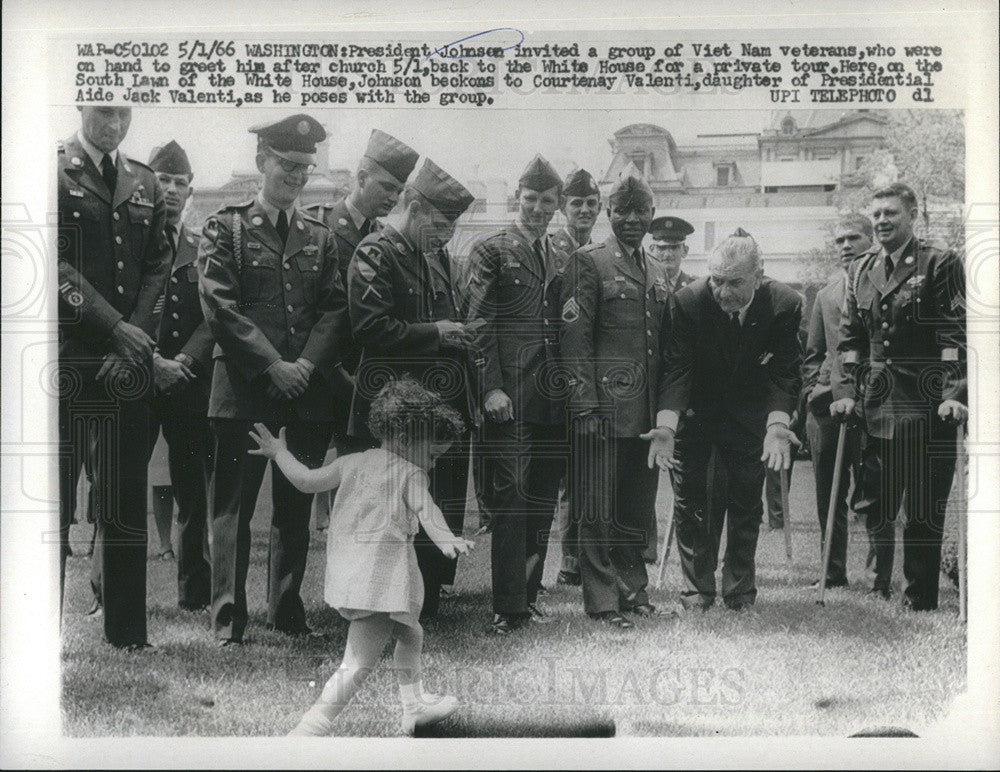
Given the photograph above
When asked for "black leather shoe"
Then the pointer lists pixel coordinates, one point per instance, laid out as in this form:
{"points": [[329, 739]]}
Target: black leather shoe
{"points": [[647, 610], [137, 648], [303, 631], [829, 584], [504, 624], [538, 616], [231, 643], [883, 592], [613, 619], [195, 608], [570, 578]]}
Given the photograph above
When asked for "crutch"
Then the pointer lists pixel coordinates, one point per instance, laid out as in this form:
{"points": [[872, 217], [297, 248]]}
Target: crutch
{"points": [[665, 547], [783, 475], [963, 503], [831, 510]]}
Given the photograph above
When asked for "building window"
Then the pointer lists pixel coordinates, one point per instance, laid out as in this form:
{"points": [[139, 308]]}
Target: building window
{"points": [[709, 235], [725, 175], [788, 125], [823, 154], [859, 161]]}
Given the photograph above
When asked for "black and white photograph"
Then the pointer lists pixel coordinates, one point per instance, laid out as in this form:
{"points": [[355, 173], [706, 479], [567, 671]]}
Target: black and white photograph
{"points": [[543, 389]]}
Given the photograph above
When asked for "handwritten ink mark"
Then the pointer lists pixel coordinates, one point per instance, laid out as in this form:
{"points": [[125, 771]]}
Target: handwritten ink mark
{"points": [[446, 46]]}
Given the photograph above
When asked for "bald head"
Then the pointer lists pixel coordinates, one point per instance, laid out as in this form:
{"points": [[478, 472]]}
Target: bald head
{"points": [[735, 271]]}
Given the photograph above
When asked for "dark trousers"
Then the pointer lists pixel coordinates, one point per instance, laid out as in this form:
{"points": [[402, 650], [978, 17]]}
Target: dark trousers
{"points": [[614, 494], [527, 462], [699, 532], [233, 496], [919, 461], [108, 420], [823, 431], [189, 457], [449, 487]]}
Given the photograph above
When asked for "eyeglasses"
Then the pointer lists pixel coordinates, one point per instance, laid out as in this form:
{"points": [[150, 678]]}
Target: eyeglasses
{"points": [[291, 167]]}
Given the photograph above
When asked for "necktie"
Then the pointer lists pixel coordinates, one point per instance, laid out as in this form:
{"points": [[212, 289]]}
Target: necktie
{"points": [[734, 321], [366, 227], [172, 238], [888, 266], [109, 172], [282, 226], [540, 254]]}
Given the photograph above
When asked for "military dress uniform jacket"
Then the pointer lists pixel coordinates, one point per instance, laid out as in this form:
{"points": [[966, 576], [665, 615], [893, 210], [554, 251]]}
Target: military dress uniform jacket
{"points": [[908, 330], [395, 296], [821, 365], [613, 312], [265, 303], [515, 292], [682, 280], [113, 257], [182, 327], [726, 381]]}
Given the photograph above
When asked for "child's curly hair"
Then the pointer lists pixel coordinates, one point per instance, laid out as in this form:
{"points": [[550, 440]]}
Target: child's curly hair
{"points": [[405, 410]]}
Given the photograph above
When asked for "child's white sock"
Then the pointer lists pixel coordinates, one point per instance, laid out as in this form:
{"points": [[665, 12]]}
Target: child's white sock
{"points": [[411, 695]]}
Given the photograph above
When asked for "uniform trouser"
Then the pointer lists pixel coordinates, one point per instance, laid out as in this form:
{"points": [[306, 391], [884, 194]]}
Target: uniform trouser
{"points": [[527, 462], [566, 528], [108, 420], [823, 431], [233, 493], [613, 498], [772, 493], [189, 458], [449, 489], [918, 461], [699, 533]]}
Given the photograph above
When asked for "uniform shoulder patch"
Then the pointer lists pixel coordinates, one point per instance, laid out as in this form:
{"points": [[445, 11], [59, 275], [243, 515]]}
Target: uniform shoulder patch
{"points": [[369, 259], [571, 310]]}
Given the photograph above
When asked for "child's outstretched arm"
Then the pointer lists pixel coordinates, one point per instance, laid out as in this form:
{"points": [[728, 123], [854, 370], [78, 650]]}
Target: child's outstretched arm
{"points": [[302, 477], [418, 498]]}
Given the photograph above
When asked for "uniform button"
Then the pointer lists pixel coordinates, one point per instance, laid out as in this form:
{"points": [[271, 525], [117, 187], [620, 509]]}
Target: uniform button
{"points": [[120, 265], [256, 262], [649, 332], [173, 298], [648, 315], [885, 307], [173, 279], [117, 216], [316, 268], [545, 321], [76, 214], [545, 303], [886, 342], [290, 308], [287, 266], [145, 222], [175, 334], [885, 325], [288, 285], [176, 315], [649, 351], [622, 296], [409, 290], [291, 330], [121, 290], [517, 281], [888, 361], [118, 239]]}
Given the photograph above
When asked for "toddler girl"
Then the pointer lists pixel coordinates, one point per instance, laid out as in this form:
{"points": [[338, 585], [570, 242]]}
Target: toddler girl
{"points": [[372, 578]]}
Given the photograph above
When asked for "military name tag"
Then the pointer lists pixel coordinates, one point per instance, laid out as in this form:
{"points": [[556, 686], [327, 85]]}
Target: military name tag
{"points": [[253, 245], [310, 249], [77, 193]]}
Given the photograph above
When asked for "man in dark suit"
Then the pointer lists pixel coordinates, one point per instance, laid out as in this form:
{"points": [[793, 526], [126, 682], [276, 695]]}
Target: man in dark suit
{"points": [[182, 367], [614, 301], [732, 358], [580, 205], [112, 262], [272, 295], [902, 346], [404, 316], [853, 237], [511, 287], [381, 175]]}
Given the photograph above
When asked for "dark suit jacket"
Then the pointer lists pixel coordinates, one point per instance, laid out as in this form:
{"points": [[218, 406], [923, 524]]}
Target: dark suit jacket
{"points": [[182, 327], [902, 337], [612, 312], [726, 382], [515, 294], [113, 257], [396, 294], [822, 362], [275, 303]]}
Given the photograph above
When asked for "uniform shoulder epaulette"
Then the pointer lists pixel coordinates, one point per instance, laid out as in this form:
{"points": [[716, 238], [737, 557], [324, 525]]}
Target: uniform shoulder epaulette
{"points": [[140, 164], [591, 247], [309, 217], [233, 207], [319, 208]]}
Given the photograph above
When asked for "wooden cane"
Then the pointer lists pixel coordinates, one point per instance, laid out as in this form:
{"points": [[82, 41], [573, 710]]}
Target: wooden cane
{"points": [[963, 503], [665, 547], [830, 512], [787, 528]]}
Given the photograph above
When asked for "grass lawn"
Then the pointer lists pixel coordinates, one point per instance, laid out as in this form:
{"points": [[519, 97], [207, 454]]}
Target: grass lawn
{"points": [[786, 667]]}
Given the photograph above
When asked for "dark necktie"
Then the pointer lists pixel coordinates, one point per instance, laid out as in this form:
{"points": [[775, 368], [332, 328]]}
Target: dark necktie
{"points": [[734, 322], [282, 226], [109, 172], [540, 254], [888, 266], [172, 238], [366, 228]]}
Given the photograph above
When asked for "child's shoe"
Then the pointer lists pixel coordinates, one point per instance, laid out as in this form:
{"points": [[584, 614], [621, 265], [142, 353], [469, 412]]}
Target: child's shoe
{"points": [[429, 709], [315, 723]]}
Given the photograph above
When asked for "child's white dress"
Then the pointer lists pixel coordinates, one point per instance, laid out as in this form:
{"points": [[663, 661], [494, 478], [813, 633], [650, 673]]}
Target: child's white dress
{"points": [[371, 565]]}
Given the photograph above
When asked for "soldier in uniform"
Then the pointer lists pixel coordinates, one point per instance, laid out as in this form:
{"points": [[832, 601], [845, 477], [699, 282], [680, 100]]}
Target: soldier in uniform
{"points": [[404, 316], [614, 301], [382, 173], [511, 287], [667, 245], [581, 203], [112, 262], [182, 368], [730, 379], [853, 237], [273, 298], [902, 352]]}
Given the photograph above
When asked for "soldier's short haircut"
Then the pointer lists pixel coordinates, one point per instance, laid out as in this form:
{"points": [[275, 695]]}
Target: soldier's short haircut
{"points": [[857, 222], [740, 246], [899, 190]]}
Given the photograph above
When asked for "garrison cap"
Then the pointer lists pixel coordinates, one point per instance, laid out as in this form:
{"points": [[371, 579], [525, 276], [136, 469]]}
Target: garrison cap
{"points": [[670, 229], [293, 138], [394, 156], [581, 184], [444, 192], [633, 188], [170, 159], [540, 175]]}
